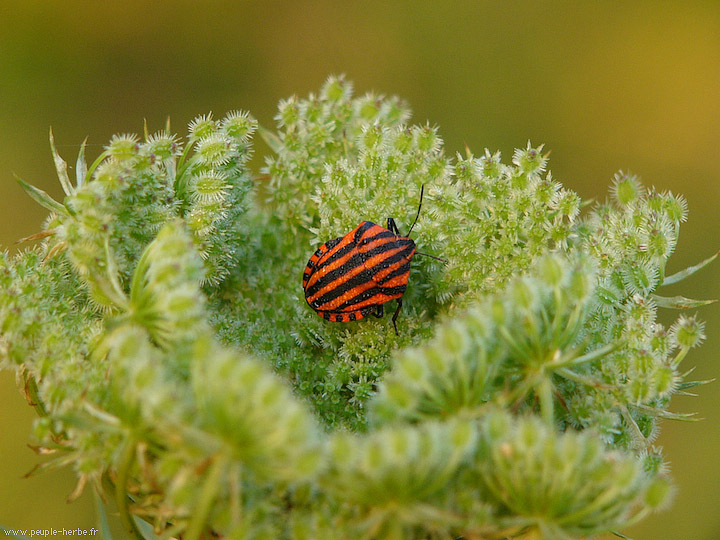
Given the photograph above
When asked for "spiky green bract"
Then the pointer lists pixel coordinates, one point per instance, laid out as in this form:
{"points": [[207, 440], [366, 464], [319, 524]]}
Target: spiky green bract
{"points": [[47, 327], [568, 486], [164, 296], [396, 479], [493, 220], [256, 415], [631, 239], [453, 374], [215, 183], [135, 187], [314, 133], [517, 347], [161, 333]]}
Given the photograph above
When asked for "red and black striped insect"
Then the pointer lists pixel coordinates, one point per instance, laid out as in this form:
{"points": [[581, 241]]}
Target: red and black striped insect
{"points": [[354, 275]]}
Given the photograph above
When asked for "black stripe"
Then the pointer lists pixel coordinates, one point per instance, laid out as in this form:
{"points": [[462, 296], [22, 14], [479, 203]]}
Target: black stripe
{"points": [[352, 262], [327, 246], [338, 255], [397, 257], [361, 297], [384, 233], [362, 229], [347, 248], [400, 270], [356, 242], [332, 243], [362, 277], [369, 293]]}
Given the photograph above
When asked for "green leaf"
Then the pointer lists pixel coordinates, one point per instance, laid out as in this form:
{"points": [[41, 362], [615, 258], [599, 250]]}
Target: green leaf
{"points": [[113, 275], [42, 198], [689, 271], [692, 384], [680, 302], [103, 524], [145, 529], [81, 165], [659, 413], [589, 357], [271, 138], [61, 168]]}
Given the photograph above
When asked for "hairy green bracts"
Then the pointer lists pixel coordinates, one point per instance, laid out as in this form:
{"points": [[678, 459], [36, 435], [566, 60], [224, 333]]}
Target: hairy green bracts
{"points": [[568, 486], [513, 349], [161, 332], [314, 134], [134, 187]]}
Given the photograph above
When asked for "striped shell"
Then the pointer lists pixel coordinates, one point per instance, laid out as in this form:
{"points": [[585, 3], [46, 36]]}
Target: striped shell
{"points": [[354, 275]]}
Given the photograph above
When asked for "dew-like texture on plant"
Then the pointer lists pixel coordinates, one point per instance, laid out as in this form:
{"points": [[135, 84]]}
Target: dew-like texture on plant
{"points": [[160, 330]]}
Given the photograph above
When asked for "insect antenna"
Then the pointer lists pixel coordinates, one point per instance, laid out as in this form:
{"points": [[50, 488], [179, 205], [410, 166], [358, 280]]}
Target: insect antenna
{"points": [[422, 189], [431, 256]]}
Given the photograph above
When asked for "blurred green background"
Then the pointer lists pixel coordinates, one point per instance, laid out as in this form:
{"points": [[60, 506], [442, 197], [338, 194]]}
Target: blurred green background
{"points": [[605, 85]]}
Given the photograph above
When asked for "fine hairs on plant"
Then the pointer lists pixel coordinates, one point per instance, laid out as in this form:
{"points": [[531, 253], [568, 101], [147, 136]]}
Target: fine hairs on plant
{"points": [[159, 329]]}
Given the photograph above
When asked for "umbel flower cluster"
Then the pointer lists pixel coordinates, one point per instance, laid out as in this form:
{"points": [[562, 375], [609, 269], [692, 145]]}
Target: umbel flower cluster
{"points": [[160, 331]]}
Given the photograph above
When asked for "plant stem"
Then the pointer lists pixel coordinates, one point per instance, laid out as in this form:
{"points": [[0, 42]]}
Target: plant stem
{"points": [[121, 497], [207, 496]]}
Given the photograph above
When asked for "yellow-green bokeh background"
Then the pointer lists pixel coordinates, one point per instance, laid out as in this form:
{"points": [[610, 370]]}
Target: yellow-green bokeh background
{"points": [[605, 85]]}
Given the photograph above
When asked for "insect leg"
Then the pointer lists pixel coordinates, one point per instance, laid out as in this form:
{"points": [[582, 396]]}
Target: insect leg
{"points": [[395, 316], [379, 311]]}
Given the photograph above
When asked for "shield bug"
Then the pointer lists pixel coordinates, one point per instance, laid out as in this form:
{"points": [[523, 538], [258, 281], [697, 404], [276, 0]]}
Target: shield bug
{"points": [[353, 276]]}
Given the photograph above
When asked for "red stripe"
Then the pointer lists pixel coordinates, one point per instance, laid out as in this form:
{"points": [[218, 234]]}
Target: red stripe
{"points": [[376, 300], [348, 295], [380, 274], [398, 280], [372, 262], [310, 269], [325, 268]]}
